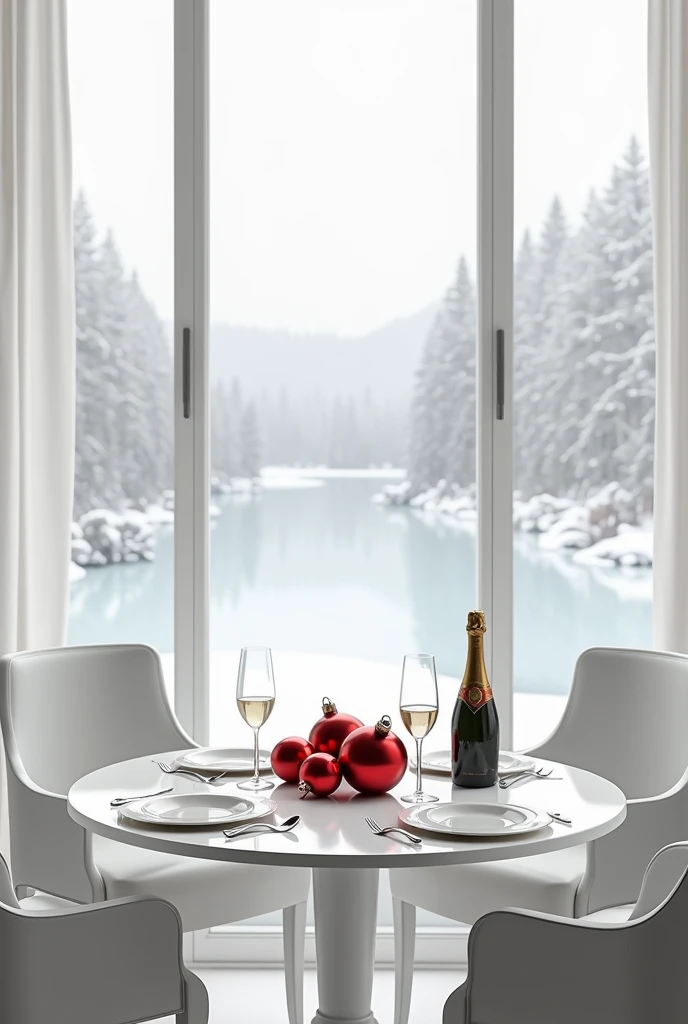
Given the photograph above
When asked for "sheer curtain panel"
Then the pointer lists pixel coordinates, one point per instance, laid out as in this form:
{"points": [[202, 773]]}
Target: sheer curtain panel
{"points": [[668, 106], [37, 339]]}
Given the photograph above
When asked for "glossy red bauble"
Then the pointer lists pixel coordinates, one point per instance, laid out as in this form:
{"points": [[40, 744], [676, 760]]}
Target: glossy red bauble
{"points": [[373, 759], [330, 731], [320, 775], [287, 757]]}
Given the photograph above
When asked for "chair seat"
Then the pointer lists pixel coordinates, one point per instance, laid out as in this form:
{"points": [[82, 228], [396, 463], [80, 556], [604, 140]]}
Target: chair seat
{"points": [[206, 893], [612, 915], [547, 882]]}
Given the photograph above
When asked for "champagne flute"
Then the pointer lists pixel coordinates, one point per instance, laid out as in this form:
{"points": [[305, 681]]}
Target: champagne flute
{"points": [[418, 704], [255, 697]]}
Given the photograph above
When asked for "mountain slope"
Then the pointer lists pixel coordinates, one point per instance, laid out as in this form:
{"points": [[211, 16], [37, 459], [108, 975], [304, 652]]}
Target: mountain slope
{"points": [[383, 361]]}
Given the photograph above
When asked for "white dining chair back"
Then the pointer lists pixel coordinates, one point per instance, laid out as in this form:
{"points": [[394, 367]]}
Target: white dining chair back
{"points": [[558, 971], [114, 963], [625, 719], [67, 712], [75, 709], [64, 713]]}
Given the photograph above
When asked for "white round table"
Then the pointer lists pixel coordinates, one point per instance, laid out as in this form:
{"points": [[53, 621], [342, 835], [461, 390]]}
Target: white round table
{"points": [[345, 856]]}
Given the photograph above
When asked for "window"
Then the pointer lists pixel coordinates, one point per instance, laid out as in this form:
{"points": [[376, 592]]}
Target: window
{"points": [[340, 186], [583, 346], [122, 126]]}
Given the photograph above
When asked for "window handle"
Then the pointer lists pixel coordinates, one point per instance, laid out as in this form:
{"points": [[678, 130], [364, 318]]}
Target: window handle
{"points": [[186, 372], [500, 374]]}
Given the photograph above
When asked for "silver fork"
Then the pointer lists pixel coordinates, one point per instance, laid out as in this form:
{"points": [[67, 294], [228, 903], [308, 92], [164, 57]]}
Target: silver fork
{"points": [[120, 801], [168, 769], [379, 831], [540, 774]]}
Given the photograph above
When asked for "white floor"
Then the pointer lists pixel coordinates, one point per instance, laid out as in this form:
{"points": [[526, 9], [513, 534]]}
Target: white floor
{"points": [[257, 996]]}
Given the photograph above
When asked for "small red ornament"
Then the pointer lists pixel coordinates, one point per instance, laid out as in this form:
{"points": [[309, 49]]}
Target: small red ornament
{"points": [[287, 757], [320, 775], [373, 759], [330, 731]]}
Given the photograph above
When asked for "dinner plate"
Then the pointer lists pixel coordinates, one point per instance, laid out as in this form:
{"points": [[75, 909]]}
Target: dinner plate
{"points": [[476, 820], [439, 762], [233, 760], [191, 810]]}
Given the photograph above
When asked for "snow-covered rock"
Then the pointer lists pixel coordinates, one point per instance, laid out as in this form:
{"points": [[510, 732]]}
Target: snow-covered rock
{"points": [[631, 547], [81, 551], [570, 528], [159, 516], [76, 572], [111, 537]]}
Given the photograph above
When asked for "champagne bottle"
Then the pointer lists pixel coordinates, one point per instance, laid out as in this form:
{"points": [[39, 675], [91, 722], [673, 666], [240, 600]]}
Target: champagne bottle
{"points": [[475, 725]]}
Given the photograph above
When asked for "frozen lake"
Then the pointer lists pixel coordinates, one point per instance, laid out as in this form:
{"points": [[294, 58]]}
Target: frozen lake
{"points": [[323, 569]]}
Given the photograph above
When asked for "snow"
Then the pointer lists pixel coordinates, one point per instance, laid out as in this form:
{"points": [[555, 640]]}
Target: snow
{"points": [[629, 548], [76, 572], [158, 516]]}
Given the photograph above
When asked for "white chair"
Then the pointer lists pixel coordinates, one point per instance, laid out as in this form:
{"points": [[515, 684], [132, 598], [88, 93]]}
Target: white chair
{"points": [[69, 711], [114, 963], [540, 969], [624, 720]]}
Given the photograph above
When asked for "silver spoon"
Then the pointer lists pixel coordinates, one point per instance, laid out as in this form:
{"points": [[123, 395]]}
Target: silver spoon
{"points": [[286, 826], [120, 800]]}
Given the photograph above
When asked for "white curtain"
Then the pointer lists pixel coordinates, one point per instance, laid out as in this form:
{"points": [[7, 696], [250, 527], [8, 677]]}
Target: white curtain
{"points": [[37, 337], [668, 96]]}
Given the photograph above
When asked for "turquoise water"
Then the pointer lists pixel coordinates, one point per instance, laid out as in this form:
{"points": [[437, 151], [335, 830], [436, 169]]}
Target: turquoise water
{"points": [[324, 569]]}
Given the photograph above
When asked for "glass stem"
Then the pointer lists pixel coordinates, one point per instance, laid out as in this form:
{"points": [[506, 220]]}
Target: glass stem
{"points": [[419, 776], [256, 748]]}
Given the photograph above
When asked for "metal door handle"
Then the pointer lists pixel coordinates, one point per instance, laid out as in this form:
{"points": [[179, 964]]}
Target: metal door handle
{"points": [[186, 372], [500, 375]]}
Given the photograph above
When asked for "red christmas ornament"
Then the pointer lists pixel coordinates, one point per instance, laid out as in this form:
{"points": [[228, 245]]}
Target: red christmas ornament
{"points": [[287, 757], [330, 731], [320, 775], [373, 759]]}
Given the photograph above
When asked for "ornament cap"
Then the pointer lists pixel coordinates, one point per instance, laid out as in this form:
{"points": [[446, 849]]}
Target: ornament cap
{"points": [[383, 726], [304, 789], [329, 707]]}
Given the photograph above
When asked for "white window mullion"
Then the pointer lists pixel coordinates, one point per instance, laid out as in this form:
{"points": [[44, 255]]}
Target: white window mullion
{"points": [[192, 473], [495, 313]]}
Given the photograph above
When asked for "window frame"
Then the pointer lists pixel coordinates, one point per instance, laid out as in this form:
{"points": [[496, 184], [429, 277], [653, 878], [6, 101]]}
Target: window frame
{"points": [[494, 561]]}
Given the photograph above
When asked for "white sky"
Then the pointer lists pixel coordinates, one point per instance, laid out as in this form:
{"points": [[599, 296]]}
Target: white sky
{"points": [[343, 141]]}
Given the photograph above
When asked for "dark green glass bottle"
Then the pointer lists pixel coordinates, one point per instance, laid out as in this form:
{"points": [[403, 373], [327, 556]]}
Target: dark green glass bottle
{"points": [[475, 724]]}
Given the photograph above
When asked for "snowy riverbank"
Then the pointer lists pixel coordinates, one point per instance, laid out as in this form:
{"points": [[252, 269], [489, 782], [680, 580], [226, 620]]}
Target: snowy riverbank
{"points": [[601, 531]]}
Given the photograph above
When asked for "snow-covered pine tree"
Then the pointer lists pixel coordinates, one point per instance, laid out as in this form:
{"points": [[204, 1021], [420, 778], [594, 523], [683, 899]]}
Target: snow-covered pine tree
{"points": [[443, 409], [91, 349], [148, 467], [540, 329], [250, 442], [616, 412], [124, 433]]}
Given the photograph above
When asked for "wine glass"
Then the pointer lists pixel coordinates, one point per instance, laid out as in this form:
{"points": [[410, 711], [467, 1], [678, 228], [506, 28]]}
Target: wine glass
{"points": [[255, 698], [418, 705]]}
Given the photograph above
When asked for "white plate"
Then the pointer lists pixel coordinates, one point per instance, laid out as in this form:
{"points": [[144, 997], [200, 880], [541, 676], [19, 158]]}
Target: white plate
{"points": [[197, 809], [477, 820], [439, 762], [234, 760]]}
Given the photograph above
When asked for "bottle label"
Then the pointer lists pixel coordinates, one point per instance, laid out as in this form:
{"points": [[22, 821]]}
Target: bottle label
{"points": [[475, 696]]}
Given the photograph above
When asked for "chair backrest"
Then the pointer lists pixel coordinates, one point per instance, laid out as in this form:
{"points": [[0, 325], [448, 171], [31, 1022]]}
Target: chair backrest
{"points": [[664, 872], [626, 719], [69, 711]]}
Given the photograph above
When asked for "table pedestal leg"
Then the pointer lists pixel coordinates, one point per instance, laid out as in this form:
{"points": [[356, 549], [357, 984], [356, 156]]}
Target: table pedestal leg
{"points": [[345, 926]]}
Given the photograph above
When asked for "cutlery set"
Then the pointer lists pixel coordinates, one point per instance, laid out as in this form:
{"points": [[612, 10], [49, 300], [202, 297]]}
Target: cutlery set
{"points": [[506, 780]]}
